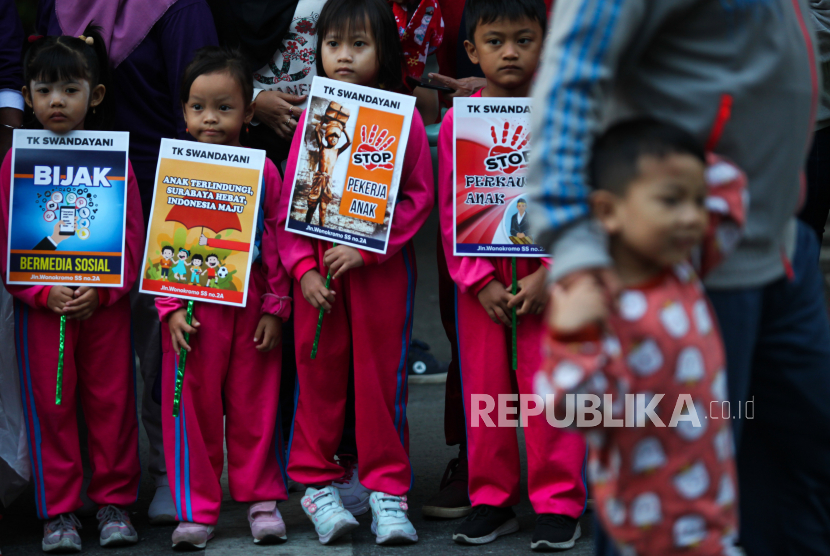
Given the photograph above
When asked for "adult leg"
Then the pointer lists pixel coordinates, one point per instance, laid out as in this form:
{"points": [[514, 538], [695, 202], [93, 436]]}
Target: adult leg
{"points": [[817, 204], [791, 424], [106, 386], [147, 342]]}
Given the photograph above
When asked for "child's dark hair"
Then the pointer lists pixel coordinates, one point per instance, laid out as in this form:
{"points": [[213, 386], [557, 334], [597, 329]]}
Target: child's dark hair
{"points": [[195, 257], [163, 249], [185, 250], [217, 59], [617, 152], [50, 59], [483, 12], [342, 16]]}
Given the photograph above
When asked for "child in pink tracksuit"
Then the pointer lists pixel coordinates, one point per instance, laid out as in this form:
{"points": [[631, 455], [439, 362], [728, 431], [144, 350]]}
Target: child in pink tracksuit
{"points": [[506, 33], [369, 305], [233, 353], [65, 85]]}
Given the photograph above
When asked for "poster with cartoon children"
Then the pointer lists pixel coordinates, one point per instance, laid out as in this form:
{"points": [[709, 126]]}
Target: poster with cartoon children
{"points": [[203, 222], [491, 143], [350, 164]]}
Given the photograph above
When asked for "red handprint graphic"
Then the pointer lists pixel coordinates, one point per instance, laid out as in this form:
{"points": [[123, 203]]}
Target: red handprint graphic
{"points": [[516, 143], [375, 143]]}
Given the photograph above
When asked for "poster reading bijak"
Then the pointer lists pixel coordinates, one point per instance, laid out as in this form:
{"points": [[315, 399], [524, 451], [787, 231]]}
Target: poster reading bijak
{"points": [[491, 145], [200, 242], [350, 163], [67, 209]]}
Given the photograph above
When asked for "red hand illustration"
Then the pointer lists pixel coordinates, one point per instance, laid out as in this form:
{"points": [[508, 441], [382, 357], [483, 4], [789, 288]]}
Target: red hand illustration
{"points": [[502, 147], [376, 142]]}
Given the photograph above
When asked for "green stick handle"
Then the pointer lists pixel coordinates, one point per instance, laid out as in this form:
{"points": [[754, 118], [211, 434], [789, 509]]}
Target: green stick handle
{"points": [[320, 319], [514, 291], [177, 398], [61, 346]]}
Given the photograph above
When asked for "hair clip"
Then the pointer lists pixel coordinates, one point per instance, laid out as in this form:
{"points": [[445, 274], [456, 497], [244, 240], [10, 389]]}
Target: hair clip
{"points": [[33, 38], [88, 40]]}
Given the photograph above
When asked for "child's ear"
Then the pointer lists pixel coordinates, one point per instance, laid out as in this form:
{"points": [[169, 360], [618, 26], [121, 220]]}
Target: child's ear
{"points": [[249, 112], [606, 210], [27, 96], [96, 95], [472, 53]]}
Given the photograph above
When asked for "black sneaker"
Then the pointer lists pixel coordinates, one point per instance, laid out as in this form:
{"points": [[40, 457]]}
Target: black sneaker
{"points": [[485, 524], [555, 532], [424, 368], [452, 499]]}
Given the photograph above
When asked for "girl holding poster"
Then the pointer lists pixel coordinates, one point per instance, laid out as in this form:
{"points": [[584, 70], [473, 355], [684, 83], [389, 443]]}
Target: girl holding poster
{"points": [[233, 352], [66, 81], [369, 304]]}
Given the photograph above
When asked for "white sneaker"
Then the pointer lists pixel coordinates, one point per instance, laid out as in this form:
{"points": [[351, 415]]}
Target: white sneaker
{"points": [[390, 523], [354, 495], [325, 510]]}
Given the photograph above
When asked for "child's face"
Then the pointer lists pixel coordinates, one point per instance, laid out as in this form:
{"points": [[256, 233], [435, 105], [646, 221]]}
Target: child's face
{"points": [[352, 58], [212, 262], [61, 106], [196, 262], [215, 110], [182, 255], [662, 216], [508, 53], [521, 207], [167, 253]]}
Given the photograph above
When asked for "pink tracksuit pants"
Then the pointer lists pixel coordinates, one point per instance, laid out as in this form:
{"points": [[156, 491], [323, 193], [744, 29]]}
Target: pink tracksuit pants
{"points": [[370, 324], [555, 457], [98, 369], [224, 371]]}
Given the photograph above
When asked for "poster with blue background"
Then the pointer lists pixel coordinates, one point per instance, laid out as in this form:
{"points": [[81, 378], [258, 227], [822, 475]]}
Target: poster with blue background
{"points": [[68, 208]]}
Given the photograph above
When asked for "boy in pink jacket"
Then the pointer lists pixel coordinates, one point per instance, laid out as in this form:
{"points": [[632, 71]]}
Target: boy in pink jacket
{"points": [[506, 40]]}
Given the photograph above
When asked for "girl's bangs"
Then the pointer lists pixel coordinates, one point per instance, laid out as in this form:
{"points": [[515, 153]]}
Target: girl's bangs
{"points": [[350, 18], [58, 65]]}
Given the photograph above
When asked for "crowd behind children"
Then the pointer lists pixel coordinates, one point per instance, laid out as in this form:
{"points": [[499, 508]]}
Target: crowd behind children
{"points": [[647, 161]]}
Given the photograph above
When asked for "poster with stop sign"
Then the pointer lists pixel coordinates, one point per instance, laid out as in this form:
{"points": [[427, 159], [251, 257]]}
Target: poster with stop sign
{"points": [[491, 146], [349, 165]]}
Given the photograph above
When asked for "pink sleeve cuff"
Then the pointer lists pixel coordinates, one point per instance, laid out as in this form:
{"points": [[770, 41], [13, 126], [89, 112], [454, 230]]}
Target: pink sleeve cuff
{"points": [[303, 266], [103, 297], [42, 298], [369, 258], [276, 305], [478, 286], [168, 305]]}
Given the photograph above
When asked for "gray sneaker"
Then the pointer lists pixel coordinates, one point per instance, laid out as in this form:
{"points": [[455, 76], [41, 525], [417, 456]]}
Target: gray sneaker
{"points": [[115, 527], [61, 534]]}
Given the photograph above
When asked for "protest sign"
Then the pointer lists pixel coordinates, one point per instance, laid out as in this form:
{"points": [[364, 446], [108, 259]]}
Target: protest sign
{"points": [[200, 242], [349, 165], [491, 145], [67, 214]]}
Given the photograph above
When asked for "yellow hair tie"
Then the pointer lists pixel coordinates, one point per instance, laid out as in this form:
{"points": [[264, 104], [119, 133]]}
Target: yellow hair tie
{"points": [[88, 40]]}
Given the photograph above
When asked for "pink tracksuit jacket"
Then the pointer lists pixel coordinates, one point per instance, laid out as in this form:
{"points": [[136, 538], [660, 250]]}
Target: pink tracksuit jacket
{"points": [[224, 371], [98, 367], [556, 458], [370, 324]]}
